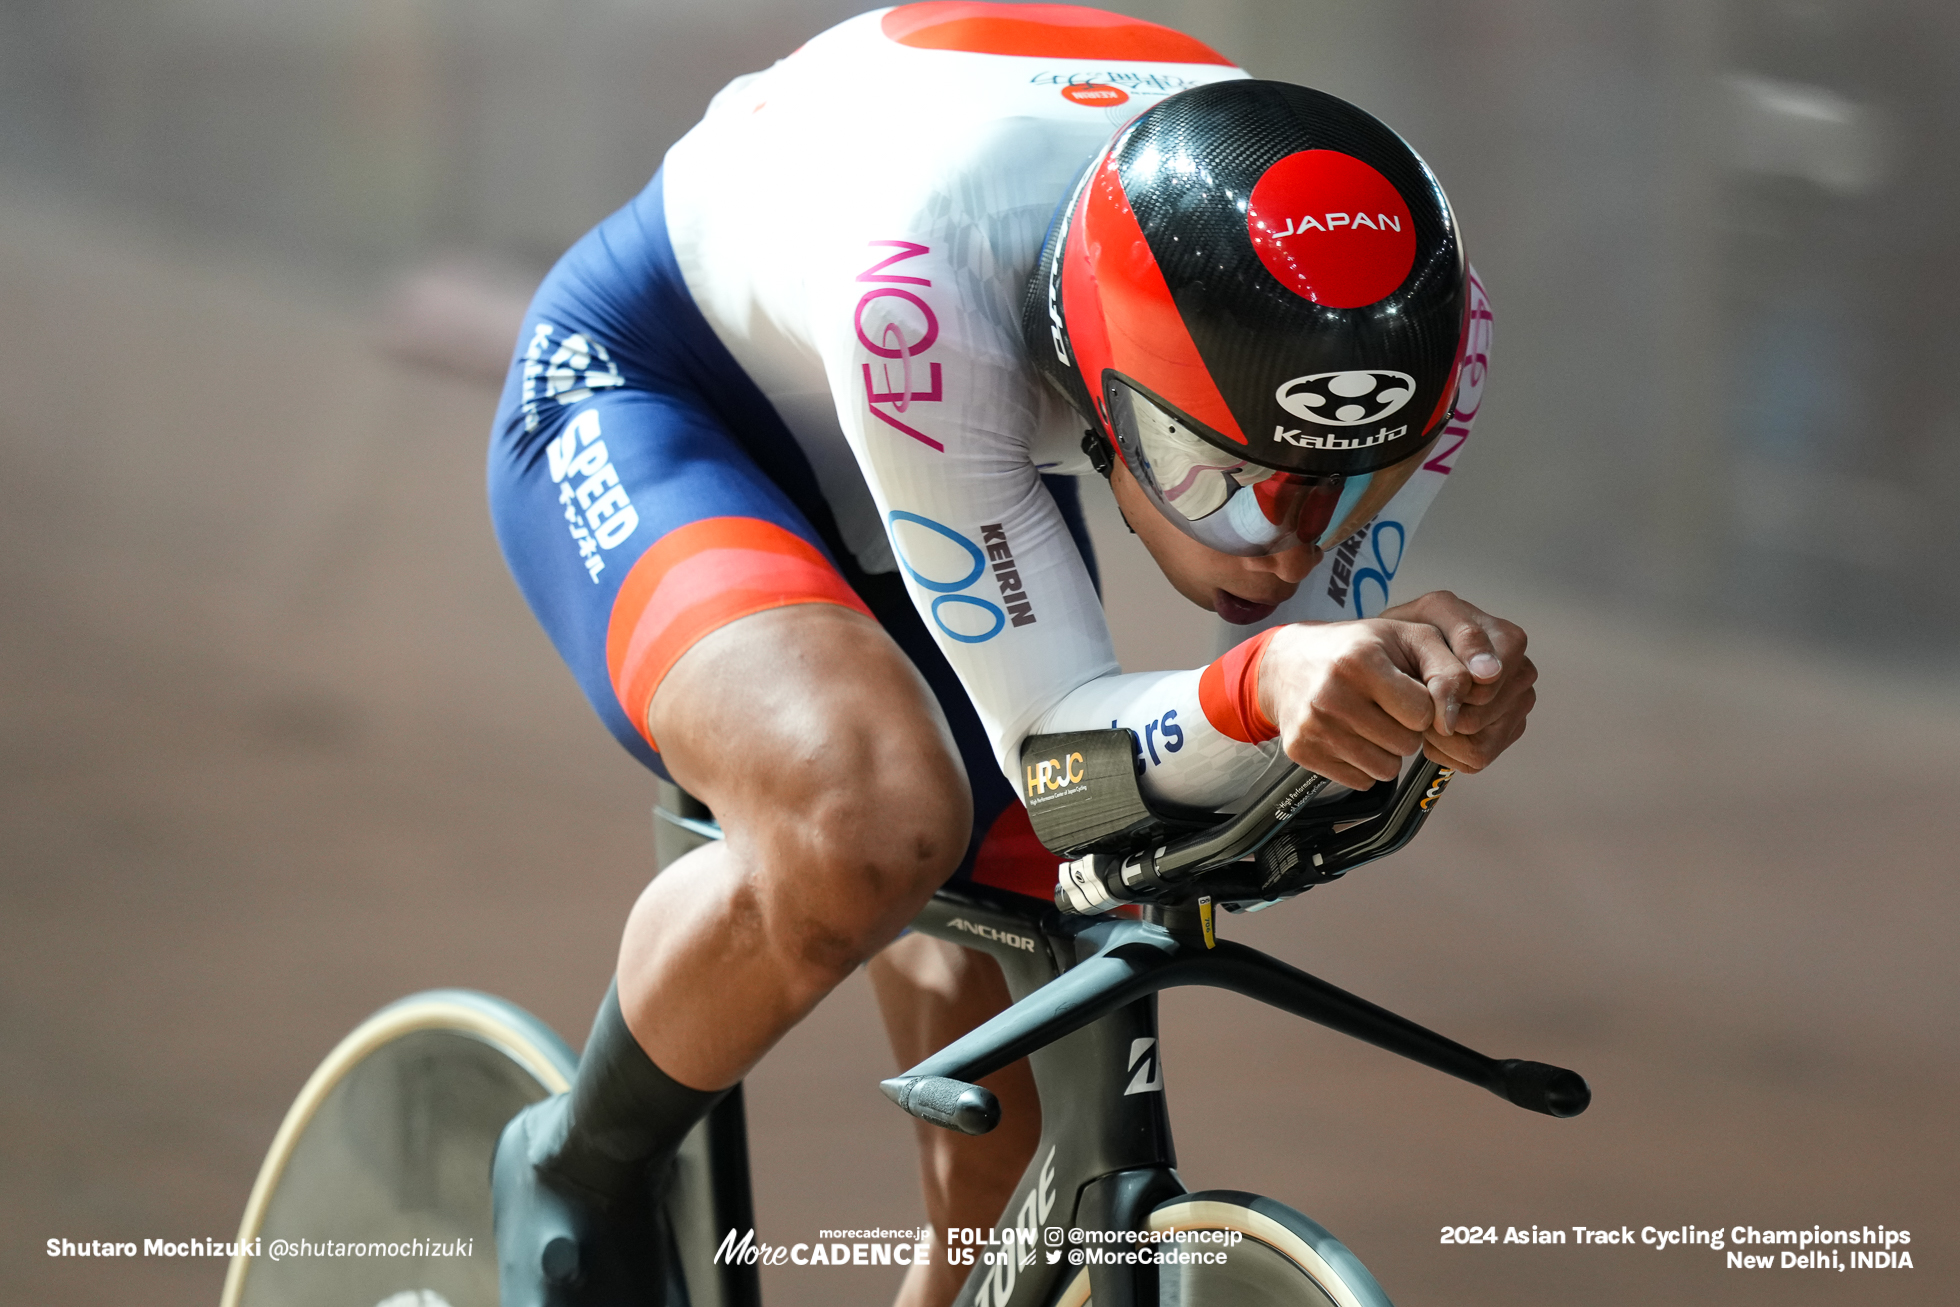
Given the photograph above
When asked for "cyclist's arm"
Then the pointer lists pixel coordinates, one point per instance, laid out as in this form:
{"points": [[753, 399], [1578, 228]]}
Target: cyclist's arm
{"points": [[989, 562], [1382, 682], [983, 548]]}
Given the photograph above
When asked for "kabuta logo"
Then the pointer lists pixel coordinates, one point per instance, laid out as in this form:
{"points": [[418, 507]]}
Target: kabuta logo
{"points": [[1328, 440], [1054, 774]]}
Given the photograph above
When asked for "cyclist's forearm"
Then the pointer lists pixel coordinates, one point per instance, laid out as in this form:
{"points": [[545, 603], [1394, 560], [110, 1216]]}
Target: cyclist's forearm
{"points": [[1196, 748]]}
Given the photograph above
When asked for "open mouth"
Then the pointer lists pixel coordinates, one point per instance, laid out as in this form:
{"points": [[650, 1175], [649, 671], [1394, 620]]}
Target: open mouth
{"points": [[1237, 611]]}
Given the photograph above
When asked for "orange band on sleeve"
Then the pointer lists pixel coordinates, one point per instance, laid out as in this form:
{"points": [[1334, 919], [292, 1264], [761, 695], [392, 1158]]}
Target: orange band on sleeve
{"points": [[1228, 691], [698, 578]]}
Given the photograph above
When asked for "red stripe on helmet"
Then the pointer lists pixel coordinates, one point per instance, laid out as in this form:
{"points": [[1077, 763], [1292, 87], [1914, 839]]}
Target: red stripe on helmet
{"points": [[1042, 32], [698, 578], [1120, 313]]}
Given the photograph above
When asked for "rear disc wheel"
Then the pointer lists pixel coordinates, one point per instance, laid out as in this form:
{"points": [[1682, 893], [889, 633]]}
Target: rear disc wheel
{"points": [[382, 1165]]}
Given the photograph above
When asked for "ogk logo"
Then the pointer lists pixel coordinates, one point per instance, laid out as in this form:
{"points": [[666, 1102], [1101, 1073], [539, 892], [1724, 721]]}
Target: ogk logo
{"points": [[1346, 399], [1149, 1077], [1054, 774]]}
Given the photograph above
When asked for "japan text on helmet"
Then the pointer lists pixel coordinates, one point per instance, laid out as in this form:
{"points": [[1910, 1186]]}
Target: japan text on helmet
{"points": [[1257, 294]]}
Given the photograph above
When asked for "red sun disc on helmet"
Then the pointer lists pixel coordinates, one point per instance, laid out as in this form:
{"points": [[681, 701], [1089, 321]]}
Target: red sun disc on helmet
{"points": [[1331, 229]]}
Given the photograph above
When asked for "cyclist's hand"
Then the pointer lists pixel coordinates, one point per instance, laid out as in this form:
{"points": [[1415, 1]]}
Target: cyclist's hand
{"points": [[1352, 699], [1469, 732]]}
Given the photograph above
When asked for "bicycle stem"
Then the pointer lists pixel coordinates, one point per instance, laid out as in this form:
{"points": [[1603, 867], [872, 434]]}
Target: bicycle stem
{"points": [[1135, 958]]}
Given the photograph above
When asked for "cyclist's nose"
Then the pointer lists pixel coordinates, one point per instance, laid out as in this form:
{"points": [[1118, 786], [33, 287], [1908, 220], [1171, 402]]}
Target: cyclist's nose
{"points": [[1291, 567]]}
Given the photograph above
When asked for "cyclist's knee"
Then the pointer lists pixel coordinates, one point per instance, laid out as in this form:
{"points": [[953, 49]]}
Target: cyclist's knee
{"points": [[866, 843], [822, 750]]}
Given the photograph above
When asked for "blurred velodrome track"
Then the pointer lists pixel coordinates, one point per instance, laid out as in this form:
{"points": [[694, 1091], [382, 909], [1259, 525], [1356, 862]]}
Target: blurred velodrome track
{"points": [[281, 744]]}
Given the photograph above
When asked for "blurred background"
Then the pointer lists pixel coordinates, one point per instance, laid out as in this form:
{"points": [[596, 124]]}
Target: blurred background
{"points": [[282, 743]]}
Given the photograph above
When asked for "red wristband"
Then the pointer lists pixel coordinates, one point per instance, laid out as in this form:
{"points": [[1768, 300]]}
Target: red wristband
{"points": [[1228, 691]]}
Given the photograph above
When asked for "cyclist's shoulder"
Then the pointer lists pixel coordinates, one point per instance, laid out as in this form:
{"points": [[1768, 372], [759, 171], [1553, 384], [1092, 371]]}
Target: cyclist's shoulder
{"points": [[964, 49], [903, 104]]}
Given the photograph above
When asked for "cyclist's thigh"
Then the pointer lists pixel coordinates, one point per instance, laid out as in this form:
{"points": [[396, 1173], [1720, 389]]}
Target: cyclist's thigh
{"points": [[797, 712], [789, 687], [635, 526], [619, 378]]}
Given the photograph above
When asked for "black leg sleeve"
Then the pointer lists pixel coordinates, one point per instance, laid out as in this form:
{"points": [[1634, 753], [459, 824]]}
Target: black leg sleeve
{"points": [[627, 1117]]}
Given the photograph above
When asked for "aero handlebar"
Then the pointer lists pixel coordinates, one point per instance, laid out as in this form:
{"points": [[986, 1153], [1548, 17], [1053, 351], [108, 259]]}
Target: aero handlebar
{"points": [[1296, 845]]}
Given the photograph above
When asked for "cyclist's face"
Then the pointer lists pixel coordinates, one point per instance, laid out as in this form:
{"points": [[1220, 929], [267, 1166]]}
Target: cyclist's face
{"points": [[1241, 590]]}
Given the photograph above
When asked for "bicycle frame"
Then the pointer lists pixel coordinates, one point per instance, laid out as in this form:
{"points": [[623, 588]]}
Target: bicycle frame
{"points": [[1106, 1155], [1084, 1013]]}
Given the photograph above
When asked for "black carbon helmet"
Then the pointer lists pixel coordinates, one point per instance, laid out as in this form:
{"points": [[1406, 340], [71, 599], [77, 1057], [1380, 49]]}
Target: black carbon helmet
{"points": [[1263, 267]]}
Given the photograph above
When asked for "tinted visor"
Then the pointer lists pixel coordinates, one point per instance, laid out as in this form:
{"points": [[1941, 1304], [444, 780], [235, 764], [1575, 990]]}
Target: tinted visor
{"points": [[1208, 490]]}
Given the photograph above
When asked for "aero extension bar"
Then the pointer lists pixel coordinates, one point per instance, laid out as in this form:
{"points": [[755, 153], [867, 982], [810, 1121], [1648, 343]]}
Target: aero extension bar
{"points": [[1084, 799], [1330, 839], [1136, 958]]}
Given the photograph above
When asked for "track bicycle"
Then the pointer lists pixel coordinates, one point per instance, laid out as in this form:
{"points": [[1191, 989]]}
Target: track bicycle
{"points": [[1100, 1215]]}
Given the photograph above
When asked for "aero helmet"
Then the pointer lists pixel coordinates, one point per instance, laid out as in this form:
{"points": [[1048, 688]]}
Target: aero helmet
{"points": [[1257, 295]]}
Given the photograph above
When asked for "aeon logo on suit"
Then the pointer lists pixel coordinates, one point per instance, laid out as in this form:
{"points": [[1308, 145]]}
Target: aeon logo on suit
{"points": [[896, 325]]}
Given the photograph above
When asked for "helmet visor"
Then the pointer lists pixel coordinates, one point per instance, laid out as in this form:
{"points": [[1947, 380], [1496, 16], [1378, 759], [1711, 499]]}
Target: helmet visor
{"points": [[1217, 497]]}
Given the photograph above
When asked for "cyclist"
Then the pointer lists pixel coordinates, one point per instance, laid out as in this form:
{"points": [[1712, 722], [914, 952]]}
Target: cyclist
{"points": [[786, 466]]}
